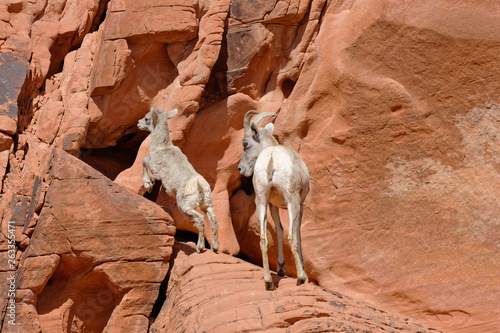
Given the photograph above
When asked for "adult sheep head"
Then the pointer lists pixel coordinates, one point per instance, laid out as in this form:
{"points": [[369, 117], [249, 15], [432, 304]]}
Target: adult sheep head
{"points": [[255, 140]]}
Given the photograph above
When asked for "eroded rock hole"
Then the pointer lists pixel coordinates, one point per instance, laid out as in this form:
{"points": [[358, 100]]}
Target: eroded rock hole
{"points": [[287, 87], [247, 185], [303, 129], [113, 160], [188, 236], [109, 161]]}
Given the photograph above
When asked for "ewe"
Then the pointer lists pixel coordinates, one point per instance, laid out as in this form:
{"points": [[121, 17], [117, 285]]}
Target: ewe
{"points": [[178, 177], [280, 179]]}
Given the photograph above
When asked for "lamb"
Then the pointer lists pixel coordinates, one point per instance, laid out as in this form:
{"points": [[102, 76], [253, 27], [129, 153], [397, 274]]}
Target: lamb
{"points": [[178, 177], [280, 179]]}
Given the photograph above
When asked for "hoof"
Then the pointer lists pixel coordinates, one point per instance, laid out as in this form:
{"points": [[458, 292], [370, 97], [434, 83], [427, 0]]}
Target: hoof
{"points": [[302, 281], [269, 285], [215, 247], [200, 245], [148, 184], [148, 187]]}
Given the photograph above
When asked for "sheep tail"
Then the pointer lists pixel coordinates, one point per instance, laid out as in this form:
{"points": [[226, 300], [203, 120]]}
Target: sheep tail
{"points": [[270, 170]]}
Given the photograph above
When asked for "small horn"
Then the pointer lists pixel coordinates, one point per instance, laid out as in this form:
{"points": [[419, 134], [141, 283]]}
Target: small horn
{"points": [[261, 116], [246, 120]]}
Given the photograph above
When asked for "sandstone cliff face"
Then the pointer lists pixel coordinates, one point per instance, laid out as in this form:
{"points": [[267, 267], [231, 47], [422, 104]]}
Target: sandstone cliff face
{"points": [[393, 106]]}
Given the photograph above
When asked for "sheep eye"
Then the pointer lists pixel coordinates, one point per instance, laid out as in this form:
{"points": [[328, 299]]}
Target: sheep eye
{"points": [[245, 144]]}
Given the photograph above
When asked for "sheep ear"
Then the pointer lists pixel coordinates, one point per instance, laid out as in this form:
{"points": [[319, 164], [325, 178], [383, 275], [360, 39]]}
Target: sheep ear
{"points": [[172, 113], [255, 132], [269, 127], [154, 117]]}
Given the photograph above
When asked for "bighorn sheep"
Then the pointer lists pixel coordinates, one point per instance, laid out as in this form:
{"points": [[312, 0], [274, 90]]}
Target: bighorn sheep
{"points": [[280, 179], [180, 180]]}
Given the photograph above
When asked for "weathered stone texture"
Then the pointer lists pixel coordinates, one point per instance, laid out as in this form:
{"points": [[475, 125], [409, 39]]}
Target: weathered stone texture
{"points": [[96, 253], [219, 293], [13, 72], [393, 105]]}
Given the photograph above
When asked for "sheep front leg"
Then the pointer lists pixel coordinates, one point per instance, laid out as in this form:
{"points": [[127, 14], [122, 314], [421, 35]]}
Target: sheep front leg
{"points": [[261, 208], [146, 178], [275, 213]]}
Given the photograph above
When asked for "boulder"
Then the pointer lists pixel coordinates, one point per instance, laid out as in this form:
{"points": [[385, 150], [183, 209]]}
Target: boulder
{"points": [[96, 254]]}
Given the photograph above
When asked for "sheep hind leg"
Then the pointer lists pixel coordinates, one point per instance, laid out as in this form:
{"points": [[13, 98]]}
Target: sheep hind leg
{"points": [[199, 219], [215, 227], [208, 207], [261, 208], [295, 215], [279, 232]]}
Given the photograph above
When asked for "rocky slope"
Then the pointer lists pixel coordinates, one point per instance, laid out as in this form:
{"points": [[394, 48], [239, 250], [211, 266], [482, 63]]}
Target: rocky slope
{"points": [[219, 293], [393, 105]]}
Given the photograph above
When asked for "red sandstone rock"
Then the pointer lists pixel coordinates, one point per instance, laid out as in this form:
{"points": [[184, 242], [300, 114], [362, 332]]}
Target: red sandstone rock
{"points": [[220, 293], [97, 253], [13, 72], [45, 32], [145, 20], [146, 72], [407, 161], [392, 105]]}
